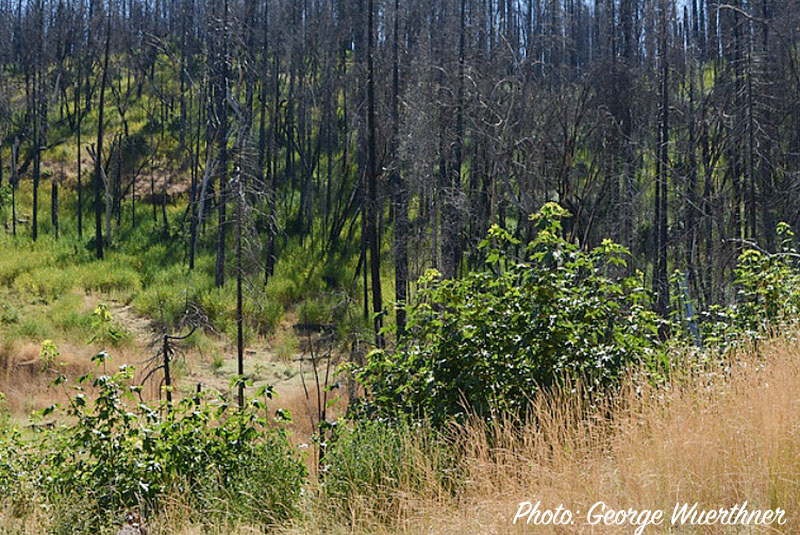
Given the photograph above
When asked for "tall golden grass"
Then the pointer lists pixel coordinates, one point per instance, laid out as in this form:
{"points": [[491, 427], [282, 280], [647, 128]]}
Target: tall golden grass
{"points": [[720, 435]]}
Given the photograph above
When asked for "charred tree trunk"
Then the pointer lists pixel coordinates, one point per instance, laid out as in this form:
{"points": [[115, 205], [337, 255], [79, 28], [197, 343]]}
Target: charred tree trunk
{"points": [[400, 193], [98, 186], [372, 185]]}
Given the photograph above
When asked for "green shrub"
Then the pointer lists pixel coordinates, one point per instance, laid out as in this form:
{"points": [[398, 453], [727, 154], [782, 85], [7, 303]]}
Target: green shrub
{"points": [[8, 313], [104, 329], [5, 203], [218, 304], [334, 274], [767, 299], [264, 315], [48, 354], [488, 342], [287, 347], [32, 328], [217, 361], [217, 459], [313, 311], [281, 291], [165, 303], [170, 293], [768, 286], [13, 460], [66, 314], [248, 333], [152, 262], [263, 485], [298, 274]]}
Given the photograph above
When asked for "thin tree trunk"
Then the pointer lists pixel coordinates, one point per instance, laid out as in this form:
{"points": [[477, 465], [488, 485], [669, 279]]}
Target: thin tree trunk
{"points": [[222, 110], [98, 228], [79, 121], [400, 194], [662, 284], [372, 178], [239, 303], [54, 204], [37, 150]]}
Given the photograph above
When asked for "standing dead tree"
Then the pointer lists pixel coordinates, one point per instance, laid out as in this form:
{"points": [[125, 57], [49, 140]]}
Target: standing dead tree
{"points": [[168, 348]]}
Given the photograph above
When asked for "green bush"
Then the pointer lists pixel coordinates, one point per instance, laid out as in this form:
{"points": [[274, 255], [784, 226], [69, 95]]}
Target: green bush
{"points": [[164, 302], [8, 313], [313, 311], [281, 291], [104, 329], [5, 203], [14, 460], [488, 342], [287, 347], [219, 304], [215, 457], [768, 286], [264, 315], [152, 259], [31, 328], [66, 314], [767, 299], [299, 273]]}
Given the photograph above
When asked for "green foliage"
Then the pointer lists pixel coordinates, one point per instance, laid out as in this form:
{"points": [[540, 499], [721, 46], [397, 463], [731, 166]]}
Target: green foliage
{"points": [[217, 361], [8, 313], [104, 329], [218, 304], [13, 462], [287, 347], [127, 156], [124, 455], [263, 314], [304, 273], [281, 291], [66, 314], [488, 342], [48, 354], [313, 311], [768, 297], [169, 295], [768, 286], [30, 328]]}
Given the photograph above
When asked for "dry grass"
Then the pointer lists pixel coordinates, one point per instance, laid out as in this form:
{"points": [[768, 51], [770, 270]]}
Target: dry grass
{"points": [[721, 437], [27, 384]]}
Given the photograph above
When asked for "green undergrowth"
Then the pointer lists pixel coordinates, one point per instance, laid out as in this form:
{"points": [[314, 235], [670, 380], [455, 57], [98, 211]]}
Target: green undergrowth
{"points": [[120, 456]]}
